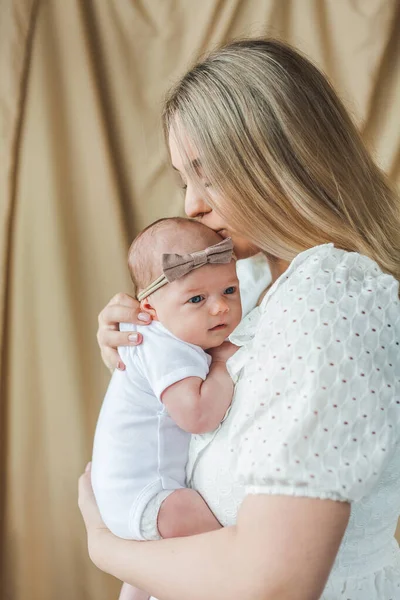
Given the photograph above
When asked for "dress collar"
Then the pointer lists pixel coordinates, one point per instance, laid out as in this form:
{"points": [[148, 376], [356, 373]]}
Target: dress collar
{"points": [[247, 328], [296, 262]]}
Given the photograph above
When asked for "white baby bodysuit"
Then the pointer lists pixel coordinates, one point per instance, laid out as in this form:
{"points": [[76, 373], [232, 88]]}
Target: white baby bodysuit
{"points": [[139, 451]]}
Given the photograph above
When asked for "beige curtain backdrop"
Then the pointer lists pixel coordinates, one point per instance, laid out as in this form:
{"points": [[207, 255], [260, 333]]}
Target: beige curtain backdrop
{"points": [[82, 169]]}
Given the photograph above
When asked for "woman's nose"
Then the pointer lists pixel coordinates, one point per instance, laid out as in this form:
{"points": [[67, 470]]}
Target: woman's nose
{"points": [[219, 306], [195, 206]]}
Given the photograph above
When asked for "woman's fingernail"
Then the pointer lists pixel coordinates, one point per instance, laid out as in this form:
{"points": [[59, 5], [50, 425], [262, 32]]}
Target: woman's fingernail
{"points": [[133, 337], [143, 317], [120, 366], [88, 467]]}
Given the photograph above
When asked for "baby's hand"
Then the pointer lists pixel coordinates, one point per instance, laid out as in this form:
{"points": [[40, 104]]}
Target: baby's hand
{"points": [[223, 352]]}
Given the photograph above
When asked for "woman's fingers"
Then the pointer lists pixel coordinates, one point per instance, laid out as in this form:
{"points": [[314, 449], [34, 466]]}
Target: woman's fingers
{"points": [[112, 360], [109, 338], [113, 314], [85, 492], [122, 308], [109, 342], [123, 299]]}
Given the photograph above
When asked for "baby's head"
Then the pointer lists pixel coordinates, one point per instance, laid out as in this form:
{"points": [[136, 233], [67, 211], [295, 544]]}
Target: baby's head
{"points": [[202, 307]]}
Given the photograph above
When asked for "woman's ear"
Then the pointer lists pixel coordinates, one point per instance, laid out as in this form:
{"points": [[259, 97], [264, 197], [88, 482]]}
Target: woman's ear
{"points": [[147, 306]]}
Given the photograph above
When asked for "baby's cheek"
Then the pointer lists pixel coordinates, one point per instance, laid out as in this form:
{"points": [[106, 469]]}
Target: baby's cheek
{"points": [[189, 332]]}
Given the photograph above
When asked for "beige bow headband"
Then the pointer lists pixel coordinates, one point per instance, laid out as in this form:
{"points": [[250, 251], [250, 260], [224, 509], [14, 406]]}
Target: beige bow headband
{"points": [[175, 266]]}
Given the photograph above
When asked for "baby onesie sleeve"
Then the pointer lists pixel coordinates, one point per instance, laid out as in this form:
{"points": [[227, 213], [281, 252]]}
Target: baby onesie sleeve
{"points": [[321, 406], [165, 359]]}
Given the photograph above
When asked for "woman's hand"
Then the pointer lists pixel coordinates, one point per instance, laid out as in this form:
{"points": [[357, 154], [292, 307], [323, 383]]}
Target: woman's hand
{"points": [[122, 308], [94, 524], [223, 352], [87, 502]]}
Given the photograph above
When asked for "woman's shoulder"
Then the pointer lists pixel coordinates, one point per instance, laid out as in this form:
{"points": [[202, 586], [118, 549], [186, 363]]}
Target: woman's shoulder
{"points": [[330, 264], [325, 275], [333, 304]]}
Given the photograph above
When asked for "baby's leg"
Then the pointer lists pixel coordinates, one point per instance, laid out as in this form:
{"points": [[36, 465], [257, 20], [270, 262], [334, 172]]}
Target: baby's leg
{"points": [[131, 593], [180, 513], [184, 512]]}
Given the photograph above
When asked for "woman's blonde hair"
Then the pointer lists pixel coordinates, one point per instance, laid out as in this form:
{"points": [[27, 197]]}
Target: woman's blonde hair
{"points": [[286, 164]]}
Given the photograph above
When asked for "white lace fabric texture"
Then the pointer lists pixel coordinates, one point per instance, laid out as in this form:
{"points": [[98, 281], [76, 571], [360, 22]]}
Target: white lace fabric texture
{"points": [[316, 411]]}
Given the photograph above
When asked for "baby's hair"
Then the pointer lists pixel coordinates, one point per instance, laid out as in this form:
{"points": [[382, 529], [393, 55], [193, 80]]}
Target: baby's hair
{"points": [[169, 235]]}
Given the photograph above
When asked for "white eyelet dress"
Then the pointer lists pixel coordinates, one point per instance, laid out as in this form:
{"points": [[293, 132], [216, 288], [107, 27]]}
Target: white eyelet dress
{"points": [[316, 411]]}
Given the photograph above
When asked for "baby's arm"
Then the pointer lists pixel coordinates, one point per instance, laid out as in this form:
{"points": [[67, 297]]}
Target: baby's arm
{"points": [[199, 406]]}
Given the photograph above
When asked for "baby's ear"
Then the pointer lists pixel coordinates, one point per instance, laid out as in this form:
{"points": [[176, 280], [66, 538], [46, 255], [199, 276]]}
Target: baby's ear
{"points": [[147, 306]]}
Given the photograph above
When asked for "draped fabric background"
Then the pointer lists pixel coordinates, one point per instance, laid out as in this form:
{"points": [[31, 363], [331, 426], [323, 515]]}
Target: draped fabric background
{"points": [[82, 169]]}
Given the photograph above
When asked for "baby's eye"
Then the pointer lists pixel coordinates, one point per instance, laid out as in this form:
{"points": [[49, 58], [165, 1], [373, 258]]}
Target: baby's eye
{"points": [[196, 299], [230, 290]]}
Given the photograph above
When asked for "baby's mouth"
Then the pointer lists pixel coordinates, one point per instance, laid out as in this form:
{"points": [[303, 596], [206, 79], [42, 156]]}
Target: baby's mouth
{"points": [[218, 327]]}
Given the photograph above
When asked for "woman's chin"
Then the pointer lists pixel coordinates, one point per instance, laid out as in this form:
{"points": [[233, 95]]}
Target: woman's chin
{"points": [[243, 249]]}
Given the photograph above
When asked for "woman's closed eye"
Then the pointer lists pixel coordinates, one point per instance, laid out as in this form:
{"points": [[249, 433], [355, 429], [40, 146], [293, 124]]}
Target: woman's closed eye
{"points": [[180, 180], [184, 186], [196, 299]]}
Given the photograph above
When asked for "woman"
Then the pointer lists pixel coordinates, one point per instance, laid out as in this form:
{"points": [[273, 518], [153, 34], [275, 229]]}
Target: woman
{"points": [[303, 473]]}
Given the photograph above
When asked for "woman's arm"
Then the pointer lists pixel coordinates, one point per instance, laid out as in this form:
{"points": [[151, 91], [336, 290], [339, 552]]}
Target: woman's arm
{"points": [[121, 309], [282, 548], [129, 592]]}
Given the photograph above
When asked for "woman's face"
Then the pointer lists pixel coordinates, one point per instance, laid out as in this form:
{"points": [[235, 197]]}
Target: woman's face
{"points": [[196, 206]]}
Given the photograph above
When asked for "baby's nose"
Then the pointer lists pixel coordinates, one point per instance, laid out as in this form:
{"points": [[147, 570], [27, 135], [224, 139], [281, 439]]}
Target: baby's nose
{"points": [[219, 305]]}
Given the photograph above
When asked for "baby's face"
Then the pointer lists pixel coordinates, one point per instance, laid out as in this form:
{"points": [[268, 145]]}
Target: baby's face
{"points": [[201, 308]]}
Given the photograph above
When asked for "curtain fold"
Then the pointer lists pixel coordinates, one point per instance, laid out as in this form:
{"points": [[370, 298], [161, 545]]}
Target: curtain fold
{"points": [[82, 169]]}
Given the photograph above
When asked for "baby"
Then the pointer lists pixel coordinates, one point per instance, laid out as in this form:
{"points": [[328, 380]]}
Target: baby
{"points": [[185, 277]]}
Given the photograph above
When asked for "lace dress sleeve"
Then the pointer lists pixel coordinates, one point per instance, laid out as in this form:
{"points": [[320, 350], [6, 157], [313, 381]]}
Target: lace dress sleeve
{"points": [[321, 412]]}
